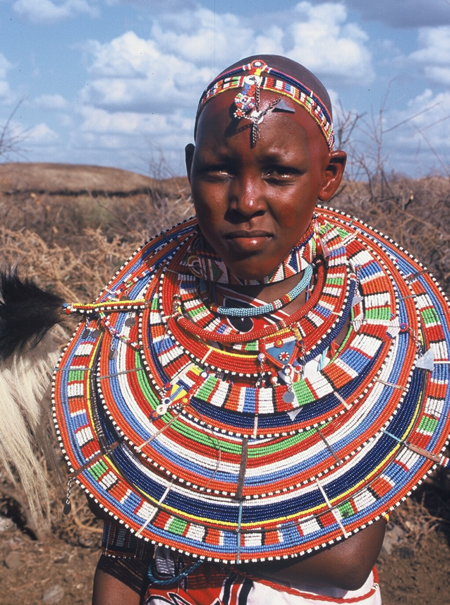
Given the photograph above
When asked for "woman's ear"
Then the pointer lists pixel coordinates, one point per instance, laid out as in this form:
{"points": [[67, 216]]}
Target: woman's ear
{"points": [[189, 155], [333, 175]]}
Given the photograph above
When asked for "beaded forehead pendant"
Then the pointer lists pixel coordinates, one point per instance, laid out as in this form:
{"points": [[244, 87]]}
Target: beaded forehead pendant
{"points": [[247, 102]]}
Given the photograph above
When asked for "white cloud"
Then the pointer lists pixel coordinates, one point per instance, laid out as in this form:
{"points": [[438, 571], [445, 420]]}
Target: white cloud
{"points": [[41, 135], [6, 95], [404, 13], [393, 13], [428, 116], [20, 139], [132, 124], [206, 38], [213, 39], [433, 54], [46, 11], [417, 137], [132, 74], [438, 74], [134, 135], [157, 5], [411, 138], [324, 27], [54, 102], [4, 90], [127, 56], [5, 66]]}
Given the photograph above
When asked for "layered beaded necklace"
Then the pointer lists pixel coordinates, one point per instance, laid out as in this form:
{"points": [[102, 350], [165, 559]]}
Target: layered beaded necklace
{"points": [[240, 446]]}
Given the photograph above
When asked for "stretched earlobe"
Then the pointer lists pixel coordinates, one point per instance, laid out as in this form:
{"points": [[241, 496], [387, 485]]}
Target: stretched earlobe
{"points": [[189, 155], [333, 175]]}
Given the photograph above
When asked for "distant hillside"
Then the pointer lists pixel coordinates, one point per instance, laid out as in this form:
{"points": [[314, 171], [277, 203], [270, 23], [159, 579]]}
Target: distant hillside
{"points": [[75, 179]]}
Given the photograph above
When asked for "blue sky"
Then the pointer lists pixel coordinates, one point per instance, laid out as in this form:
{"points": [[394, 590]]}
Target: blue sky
{"points": [[116, 82]]}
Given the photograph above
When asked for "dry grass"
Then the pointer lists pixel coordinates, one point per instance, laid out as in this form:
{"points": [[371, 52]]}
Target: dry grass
{"points": [[415, 213], [74, 245]]}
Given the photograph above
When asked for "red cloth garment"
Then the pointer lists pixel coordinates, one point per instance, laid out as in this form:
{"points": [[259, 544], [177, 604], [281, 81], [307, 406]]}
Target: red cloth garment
{"points": [[213, 584]]}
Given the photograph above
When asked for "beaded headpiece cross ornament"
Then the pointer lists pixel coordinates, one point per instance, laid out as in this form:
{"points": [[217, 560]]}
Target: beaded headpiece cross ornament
{"points": [[247, 101]]}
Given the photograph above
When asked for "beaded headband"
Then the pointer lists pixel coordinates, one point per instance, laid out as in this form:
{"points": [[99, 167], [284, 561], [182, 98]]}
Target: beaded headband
{"points": [[247, 101], [240, 446]]}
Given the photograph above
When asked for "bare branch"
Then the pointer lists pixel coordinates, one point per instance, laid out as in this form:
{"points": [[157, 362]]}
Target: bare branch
{"points": [[10, 142]]}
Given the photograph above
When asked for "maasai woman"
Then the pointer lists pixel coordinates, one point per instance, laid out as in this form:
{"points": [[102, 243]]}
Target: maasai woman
{"points": [[263, 158], [259, 386]]}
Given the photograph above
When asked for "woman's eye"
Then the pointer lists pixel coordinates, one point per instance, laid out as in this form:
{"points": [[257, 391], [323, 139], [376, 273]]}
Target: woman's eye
{"points": [[281, 173], [219, 169], [217, 172]]}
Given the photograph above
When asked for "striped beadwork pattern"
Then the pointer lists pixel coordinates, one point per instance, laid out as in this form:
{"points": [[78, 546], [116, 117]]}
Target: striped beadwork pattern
{"points": [[261, 452]]}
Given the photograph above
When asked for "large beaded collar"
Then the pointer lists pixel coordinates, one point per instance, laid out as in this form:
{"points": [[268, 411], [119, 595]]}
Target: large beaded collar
{"points": [[241, 446]]}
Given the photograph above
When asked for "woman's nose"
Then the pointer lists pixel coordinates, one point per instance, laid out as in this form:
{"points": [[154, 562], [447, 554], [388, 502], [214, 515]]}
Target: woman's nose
{"points": [[246, 196]]}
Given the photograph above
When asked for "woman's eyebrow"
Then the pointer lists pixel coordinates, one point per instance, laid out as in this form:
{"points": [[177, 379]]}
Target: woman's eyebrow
{"points": [[280, 156], [217, 154]]}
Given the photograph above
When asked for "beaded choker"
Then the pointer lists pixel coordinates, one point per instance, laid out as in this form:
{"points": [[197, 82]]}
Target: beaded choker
{"points": [[269, 443], [204, 263], [269, 307]]}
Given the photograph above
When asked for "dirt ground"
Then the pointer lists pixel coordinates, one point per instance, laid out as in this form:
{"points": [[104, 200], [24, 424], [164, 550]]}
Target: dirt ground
{"points": [[417, 574], [54, 572], [414, 573]]}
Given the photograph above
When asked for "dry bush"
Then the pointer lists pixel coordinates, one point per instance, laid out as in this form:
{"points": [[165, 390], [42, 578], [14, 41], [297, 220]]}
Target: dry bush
{"points": [[415, 520], [74, 245], [75, 275], [426, 510], [415, 213]]}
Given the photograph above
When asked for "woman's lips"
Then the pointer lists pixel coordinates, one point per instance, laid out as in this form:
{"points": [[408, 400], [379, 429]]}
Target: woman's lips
{"points": [[248, 241]]}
